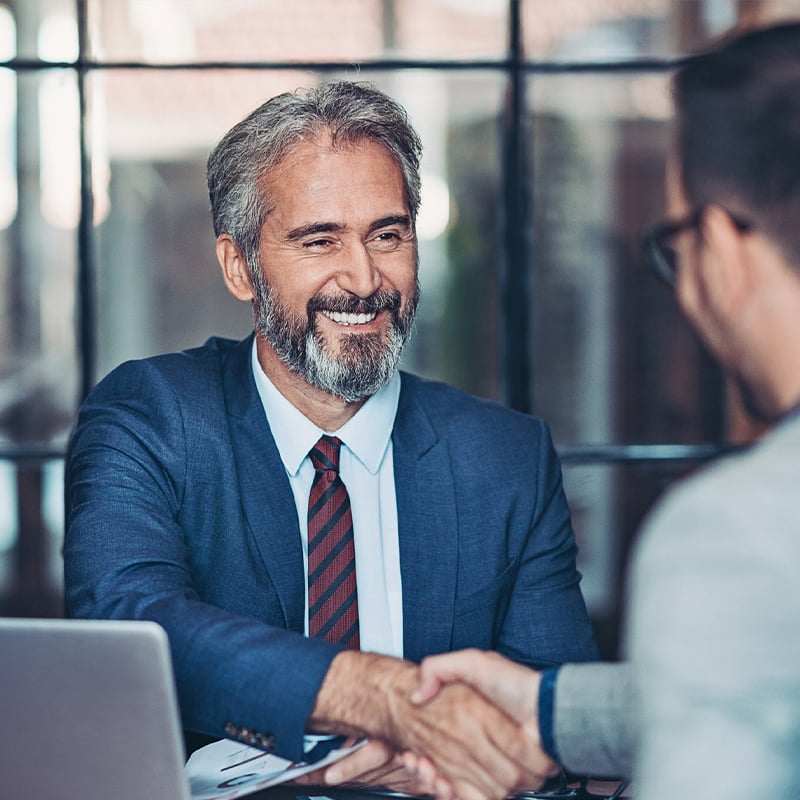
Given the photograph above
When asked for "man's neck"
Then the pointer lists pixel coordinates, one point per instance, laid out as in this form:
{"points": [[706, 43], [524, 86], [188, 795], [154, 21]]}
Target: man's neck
{"points": [[324, 409], [769, 348]]}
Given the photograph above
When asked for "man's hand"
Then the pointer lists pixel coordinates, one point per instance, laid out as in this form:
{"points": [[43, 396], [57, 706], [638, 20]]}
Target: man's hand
{"points": [[474, 747], [378, 765], [373, 764], [510, 686]]}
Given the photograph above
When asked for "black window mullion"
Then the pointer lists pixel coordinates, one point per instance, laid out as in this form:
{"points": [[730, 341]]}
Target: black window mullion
{"points": [[86, 272], [515, 208]]}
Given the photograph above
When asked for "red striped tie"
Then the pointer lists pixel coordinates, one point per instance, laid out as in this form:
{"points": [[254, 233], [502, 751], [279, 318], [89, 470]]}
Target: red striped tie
{"points": [[332, 596]]}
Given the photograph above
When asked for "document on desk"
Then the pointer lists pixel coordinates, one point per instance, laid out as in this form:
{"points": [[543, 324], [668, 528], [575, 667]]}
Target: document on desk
{"points": [[227, 769]]}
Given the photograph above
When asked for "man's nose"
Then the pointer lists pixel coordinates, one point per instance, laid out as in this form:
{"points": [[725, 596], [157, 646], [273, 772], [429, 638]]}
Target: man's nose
{"points": [[359, 273]]}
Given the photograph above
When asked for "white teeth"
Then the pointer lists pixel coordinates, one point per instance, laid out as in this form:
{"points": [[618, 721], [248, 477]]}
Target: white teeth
{"points": [[349, 319]]}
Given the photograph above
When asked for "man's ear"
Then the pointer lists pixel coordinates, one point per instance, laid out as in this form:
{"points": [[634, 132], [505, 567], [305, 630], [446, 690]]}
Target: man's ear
{"points": [[234, 268], [725, 271]]}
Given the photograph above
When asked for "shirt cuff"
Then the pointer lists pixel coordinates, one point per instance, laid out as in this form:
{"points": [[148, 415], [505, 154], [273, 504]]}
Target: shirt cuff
{"points": [[547, 688]]}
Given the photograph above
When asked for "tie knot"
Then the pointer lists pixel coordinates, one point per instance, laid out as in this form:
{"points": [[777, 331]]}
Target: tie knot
{"points": [[324, 454]]}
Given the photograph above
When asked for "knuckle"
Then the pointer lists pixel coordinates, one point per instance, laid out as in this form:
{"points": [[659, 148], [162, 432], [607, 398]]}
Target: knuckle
{"points": [[514, 777], [517, 749]]}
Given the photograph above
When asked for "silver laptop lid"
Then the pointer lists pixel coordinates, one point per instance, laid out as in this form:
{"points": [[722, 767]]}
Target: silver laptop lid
{"points": [[88, 711]]}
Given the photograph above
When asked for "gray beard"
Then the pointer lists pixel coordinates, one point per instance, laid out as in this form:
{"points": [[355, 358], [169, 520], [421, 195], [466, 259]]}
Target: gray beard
{"points": [[365, 363]]}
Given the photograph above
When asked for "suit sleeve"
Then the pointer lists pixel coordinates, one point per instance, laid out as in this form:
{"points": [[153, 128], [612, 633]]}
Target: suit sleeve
{"points": [[546, 622], [594, 723], [126, 557]]}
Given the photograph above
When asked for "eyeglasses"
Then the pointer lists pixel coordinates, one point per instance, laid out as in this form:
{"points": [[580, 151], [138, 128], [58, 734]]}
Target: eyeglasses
{"points": [[570, 787], [659, 248]]}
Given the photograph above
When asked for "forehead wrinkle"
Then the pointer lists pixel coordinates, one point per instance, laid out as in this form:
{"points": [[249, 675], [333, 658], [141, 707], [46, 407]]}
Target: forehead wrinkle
{"points": [[312, 149]]}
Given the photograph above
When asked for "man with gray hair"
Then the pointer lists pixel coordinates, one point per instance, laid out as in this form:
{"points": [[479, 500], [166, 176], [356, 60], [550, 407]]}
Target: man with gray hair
{"points": [[305, 521]]}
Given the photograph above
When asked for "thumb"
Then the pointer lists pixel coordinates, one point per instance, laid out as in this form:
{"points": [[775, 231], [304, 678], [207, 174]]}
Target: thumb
{"points": [[427, 687], [435, 671]]}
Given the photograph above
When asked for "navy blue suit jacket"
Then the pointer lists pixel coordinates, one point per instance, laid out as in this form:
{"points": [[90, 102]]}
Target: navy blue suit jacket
{"points": [[180, 511]]}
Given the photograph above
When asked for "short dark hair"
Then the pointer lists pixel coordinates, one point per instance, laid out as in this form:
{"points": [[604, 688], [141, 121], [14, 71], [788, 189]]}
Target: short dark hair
{"points": [[348, 111], [738, 130]]}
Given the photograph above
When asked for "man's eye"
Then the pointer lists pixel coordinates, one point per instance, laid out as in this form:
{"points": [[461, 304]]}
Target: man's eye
{"points": [[317, 244], [386, 240]]}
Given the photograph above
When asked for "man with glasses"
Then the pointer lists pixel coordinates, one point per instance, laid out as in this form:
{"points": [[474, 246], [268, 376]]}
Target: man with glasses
{"points": [[709, 703]]}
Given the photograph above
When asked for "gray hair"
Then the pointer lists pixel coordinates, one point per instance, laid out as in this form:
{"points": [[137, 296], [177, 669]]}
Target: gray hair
{"points": [[348, 111]]}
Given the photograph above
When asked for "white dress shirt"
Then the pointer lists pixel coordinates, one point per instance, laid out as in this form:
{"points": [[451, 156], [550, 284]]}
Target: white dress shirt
{"points": [[366, 467]]}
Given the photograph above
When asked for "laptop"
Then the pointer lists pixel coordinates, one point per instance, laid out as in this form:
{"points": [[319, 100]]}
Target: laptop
{"points": [[88, 711]]}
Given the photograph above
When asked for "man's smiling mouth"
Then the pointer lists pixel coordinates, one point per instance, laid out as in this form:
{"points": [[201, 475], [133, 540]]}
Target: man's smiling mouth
{"points": [[343, 318]]}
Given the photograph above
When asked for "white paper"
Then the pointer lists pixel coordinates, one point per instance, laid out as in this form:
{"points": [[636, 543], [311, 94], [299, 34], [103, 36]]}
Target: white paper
{"points": [[227, 769]]}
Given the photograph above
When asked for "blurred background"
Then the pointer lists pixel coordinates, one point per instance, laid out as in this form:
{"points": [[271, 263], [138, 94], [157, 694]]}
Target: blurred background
{"points": [[545, 125]]}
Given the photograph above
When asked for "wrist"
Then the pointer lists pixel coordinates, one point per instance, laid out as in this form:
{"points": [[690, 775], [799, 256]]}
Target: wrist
{"points": [[361, 693]]}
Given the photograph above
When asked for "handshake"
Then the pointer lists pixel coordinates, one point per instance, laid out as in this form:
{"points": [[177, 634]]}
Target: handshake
{"points": [[461, 725]]}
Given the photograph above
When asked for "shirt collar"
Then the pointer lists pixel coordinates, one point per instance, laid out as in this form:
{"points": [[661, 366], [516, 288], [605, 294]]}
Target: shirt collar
{"points": [[366, 434]]}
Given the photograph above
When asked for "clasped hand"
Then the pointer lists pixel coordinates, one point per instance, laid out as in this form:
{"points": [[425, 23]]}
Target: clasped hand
{"points": [[462, 725]]}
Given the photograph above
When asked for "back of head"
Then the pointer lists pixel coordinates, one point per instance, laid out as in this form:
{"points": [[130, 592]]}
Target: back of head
{"points": [[738, 113], [346, 111]]}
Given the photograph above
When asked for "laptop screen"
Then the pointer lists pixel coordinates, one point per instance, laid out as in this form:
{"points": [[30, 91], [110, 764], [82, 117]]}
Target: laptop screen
{"points": [[88, 710]]}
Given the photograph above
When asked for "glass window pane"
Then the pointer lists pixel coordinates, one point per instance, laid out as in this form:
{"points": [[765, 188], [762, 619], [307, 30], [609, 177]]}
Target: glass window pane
{"points": [[613, 359], [31, 538], [162, 31], [40, 176], [445, 29], [616, 30], [608, 503], [45, 29], [8, 34]]}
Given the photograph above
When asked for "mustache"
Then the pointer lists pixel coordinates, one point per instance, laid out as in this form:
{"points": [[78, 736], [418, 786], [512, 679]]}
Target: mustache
{"points": [[381, 300]]}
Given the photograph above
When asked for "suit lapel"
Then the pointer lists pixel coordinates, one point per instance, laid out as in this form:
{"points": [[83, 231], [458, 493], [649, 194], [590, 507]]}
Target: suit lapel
{"points": [[266, 496], [428, 528]]}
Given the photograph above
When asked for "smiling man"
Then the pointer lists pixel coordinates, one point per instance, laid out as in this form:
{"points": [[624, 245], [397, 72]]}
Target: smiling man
{"points": [[303, 519], [336, 289]]}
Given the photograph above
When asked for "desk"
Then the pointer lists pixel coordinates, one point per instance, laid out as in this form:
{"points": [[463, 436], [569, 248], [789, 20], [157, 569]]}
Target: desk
{"points": [[596, 789]]}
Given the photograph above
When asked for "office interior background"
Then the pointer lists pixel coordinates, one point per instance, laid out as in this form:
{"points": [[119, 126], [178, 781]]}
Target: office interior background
{"points": [[545, 125]]}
